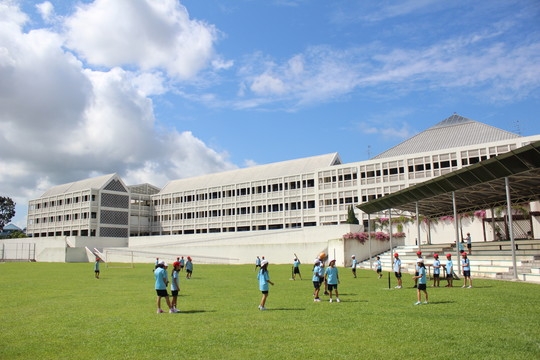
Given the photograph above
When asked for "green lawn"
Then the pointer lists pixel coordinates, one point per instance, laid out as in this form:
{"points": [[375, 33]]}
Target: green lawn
{"points": [[59, 311]]}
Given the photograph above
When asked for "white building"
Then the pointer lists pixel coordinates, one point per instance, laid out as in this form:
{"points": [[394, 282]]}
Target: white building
{"points": [[291, 195]]}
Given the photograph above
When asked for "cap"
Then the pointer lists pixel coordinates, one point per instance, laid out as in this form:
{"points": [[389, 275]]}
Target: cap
{"points": [[464, 253], [317, 262], [264, 262], [353, 256], [418, 252], [161, 262], [436, 255], [332, 261], [396, 254], [448, 255], [165, 264], [176, 263]]}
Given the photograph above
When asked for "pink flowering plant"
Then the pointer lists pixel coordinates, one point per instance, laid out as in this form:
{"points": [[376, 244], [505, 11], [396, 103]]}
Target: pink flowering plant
{"points": [[362, 237]]}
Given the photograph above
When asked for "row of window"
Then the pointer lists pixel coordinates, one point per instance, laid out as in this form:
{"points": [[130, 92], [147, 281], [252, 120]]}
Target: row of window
{"points": [[237, 192], [246, 210], [240, 228], [60, 202], [65, 217]]}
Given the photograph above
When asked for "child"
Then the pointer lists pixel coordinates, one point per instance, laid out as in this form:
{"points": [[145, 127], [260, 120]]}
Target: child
{"points": [[422, 282], [379, 267], [353, 265], [296, 269], [332, 278], [466, 270], [264, 280], [397, 270], [436, 270], [322, 280], [419, 257], [175, 285], [316, 280], [96, 268], [160, 275], [449, 271], [189, 268]]}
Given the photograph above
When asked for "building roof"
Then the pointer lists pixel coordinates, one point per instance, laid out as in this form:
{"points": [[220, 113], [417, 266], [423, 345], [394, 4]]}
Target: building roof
{"points": [[92, 183], [452, 132], [11, 227], [254, 173], [476, 187]]}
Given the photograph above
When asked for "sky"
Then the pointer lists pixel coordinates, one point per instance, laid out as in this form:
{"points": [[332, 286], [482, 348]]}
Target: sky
{"points": [[157, 90]]}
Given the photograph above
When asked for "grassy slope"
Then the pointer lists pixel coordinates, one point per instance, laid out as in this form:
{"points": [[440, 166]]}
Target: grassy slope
{"points": [[60, 311]]}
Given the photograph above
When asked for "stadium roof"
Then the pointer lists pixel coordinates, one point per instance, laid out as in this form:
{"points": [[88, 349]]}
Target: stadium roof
{"points": [[254, 173], [476, 187], [452, 132]]}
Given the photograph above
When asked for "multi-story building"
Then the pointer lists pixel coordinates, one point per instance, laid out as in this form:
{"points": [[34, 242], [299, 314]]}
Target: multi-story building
{"points": [[103, 207], [308, 192]]}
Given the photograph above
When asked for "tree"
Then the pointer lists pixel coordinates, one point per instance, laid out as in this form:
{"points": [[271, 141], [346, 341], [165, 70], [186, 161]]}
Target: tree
{"points": [[351, 217], [7, 211]]}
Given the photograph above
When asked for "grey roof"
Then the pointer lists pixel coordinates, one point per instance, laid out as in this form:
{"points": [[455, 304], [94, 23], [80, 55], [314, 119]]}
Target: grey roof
{"points": [[452, 132], [92, 183], [255, 173], [145, 189]]}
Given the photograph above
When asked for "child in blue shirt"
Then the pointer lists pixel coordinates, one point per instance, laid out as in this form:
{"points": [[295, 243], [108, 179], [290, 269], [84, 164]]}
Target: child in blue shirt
{"points": [[422, 282], [332, 278], [449, 271], [316, 280], [379, 267], [264, 280]]}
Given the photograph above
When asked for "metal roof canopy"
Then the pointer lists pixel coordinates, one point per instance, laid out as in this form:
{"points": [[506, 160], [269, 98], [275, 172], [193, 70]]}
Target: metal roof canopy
{"points": [[476, 187]]}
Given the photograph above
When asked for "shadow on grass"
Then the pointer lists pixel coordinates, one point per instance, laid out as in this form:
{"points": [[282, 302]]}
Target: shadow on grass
{"points": [[195, 311], [285, 309]]}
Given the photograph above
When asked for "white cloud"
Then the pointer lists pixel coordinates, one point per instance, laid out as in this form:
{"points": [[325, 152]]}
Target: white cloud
{"points": [[147, 34], [61, 121], [46, 9]]}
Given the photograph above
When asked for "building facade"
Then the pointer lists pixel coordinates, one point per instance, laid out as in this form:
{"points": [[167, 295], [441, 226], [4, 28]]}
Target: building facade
{"points": [[308, 192]]}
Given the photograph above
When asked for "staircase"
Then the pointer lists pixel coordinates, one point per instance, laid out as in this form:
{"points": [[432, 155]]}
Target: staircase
{"points": [[488, 259]]}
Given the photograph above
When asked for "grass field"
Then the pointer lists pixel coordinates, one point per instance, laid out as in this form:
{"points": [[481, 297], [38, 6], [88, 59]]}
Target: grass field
{"points": [[59, 311]]}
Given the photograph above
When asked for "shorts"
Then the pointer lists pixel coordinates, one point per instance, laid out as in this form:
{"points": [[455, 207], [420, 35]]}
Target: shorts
{"points": [[422, 287], [467, 273], [354, 270], [379, 271], [398, 274], [161, 293], [297, 270], [96, 271], [174, 292], [316, 285], [265, 292], [416, 273], [449, 276], [321, 280], [332, 287], [189, 271], [436, 276], [469, 246]]}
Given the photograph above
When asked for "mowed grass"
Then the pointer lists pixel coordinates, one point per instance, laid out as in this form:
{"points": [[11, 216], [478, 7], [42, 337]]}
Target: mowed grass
{"points": [[59, 311]]}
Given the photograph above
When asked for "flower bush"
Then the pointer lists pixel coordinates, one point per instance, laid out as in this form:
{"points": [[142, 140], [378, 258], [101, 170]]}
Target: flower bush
{"points": [[362, 237]]}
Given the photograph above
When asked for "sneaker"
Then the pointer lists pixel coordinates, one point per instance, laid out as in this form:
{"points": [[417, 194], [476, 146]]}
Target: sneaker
{"points": [[317, 300], [330, 300], [417, 303], [172, 311], [464, 286], [262, 308], [159, 311], [425, 302], [470, 286], [337, 300]]}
